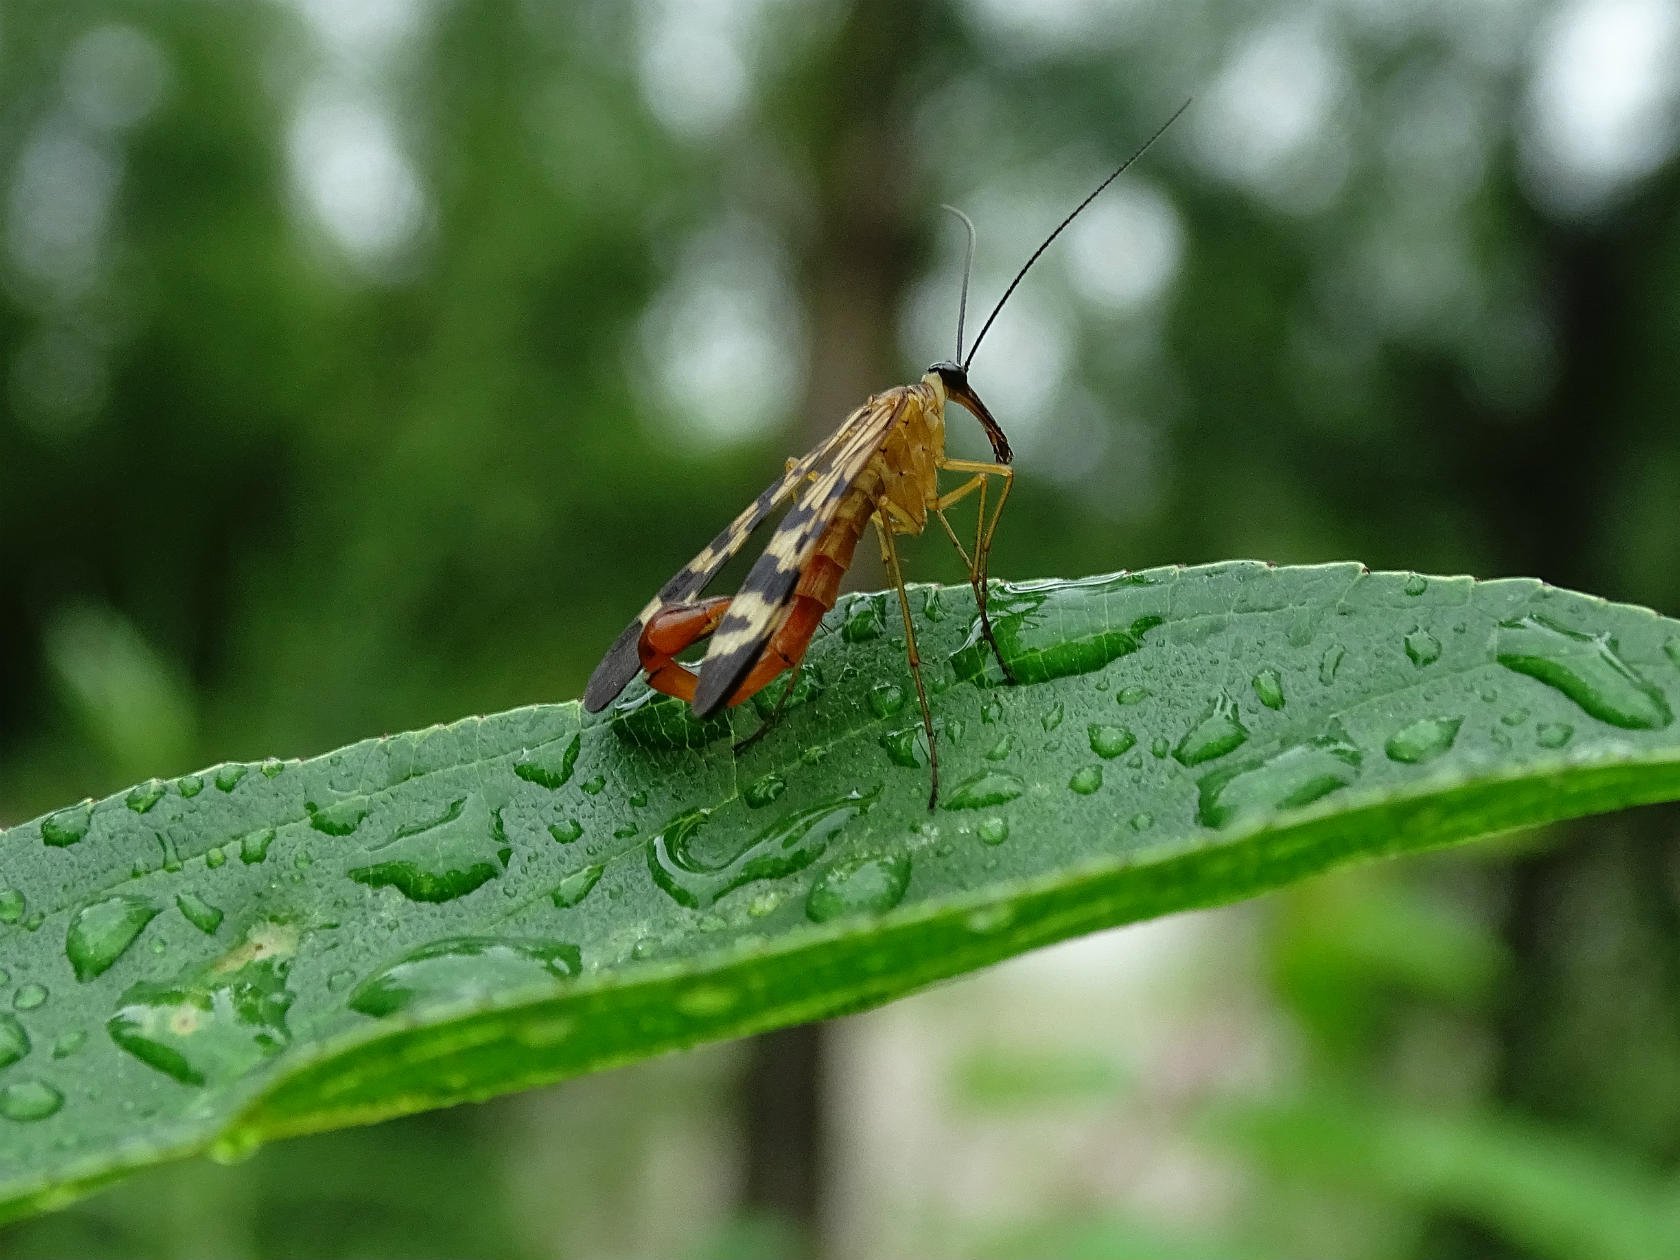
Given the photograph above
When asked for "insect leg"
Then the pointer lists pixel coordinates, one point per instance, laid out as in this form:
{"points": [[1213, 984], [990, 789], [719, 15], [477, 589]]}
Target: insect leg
{"points": [[670, 631], [774, 716], [979, 564], [889, 553]]}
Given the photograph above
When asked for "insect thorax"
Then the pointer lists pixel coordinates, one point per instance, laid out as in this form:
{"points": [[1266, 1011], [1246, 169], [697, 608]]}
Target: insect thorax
{"points": [[908, 461]]}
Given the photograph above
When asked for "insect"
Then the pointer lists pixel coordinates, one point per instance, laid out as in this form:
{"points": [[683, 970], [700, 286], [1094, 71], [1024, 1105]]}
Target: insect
{"points": [[880, 468]]}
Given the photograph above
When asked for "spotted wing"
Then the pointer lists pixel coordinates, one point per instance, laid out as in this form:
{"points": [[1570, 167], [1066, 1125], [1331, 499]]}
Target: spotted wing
{"points": [[622, 662], [766, 594]]}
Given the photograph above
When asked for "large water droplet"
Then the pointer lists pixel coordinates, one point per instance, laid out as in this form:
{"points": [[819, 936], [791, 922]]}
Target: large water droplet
{"points": [[1110, 741], [886, 699], [229, 775], [1553, 734], [576, 886], [67, 826], [1584, 667], [30, 996], [1052, 629], [1294, 776], [189, 785], [1131, 695], [551, 764], [99, 933], [764, 790], [341, 818], [858, 885], [199, 912], [904, 746], [29, 1099], [1416, 584], [441, 858], [1086, 780], [984, 790], [566, 831], [466, 970], [1216, 732], [1052, 717], [12, 905], [993, 830], [271, 767], [864, 620], [14, 1040], [221, 1026], [1423, 740], [1422, 647], [681, 864], [1268, 686], [143, 796], [253, 845]]}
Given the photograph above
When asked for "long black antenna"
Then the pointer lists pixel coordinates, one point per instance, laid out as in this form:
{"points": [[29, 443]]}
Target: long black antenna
{"points": [[968, 270], [1027, 266]]}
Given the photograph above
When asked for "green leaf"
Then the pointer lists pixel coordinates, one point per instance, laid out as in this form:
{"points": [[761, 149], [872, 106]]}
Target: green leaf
{"points": [[262, 950]]}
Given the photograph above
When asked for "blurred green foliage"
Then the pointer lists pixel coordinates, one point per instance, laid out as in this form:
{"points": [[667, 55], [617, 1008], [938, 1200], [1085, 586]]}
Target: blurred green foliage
{"points": [[365, 363]]}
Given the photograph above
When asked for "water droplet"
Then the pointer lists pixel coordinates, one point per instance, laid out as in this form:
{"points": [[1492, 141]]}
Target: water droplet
{"points": [[12, 905], [1516, 717], [576, 886], [171, 858], [1142, 822], [681, 864], [1416, 584], [858, 885], [271, 767], [863, 620], [228, 776], [1672, 649], [1131, 695], [69, 1042], [763, 791], [189, 786], [99, 933], [1216, 732], [1110, 741], [1158, 746], [1086, 780], [199, 912], [441, 858], [466, 970], [594, 786], [1422, 647], [886, 699], [338, 819], [991, 712], [67, 826], [214, 857], [1294, 776], [29, 1099], [1553, 734], [14, 1040], [994, 830], [551, 764], [1052, 717], [933, 604], [1268, 686], [1001, 749], [1051, 629], [1424, 740], [253, 845], [984, 790], [143, 796], [221, 1026], [904, 746], [639, 798], [1330, 662], [567, 831], [1584, 667], [30, 996], [653, 720]]}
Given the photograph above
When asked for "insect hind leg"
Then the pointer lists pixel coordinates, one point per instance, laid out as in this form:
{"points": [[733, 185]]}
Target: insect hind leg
{"points": [[673, 630]]}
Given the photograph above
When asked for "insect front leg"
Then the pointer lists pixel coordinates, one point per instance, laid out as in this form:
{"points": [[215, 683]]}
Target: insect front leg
{"points": [[979, 563]]}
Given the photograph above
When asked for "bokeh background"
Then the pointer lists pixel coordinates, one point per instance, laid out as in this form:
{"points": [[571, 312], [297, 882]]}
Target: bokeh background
{"points": [[364, 363]]}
